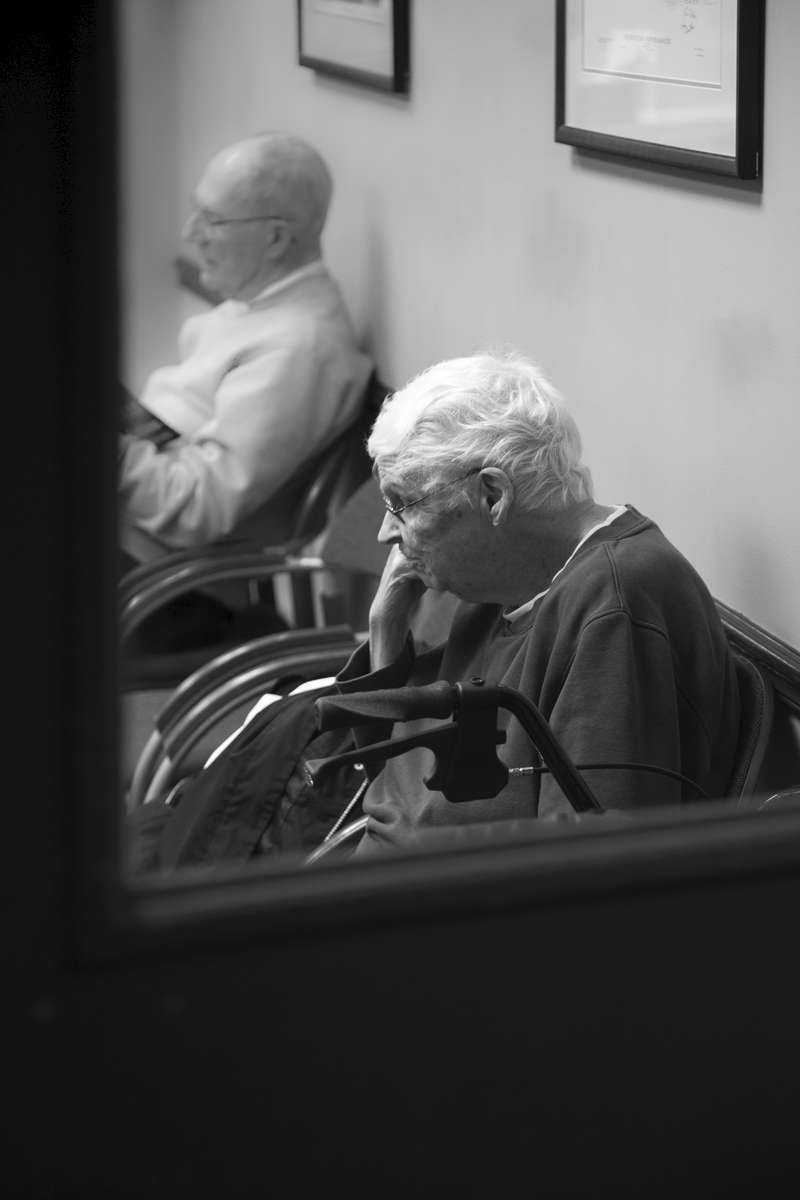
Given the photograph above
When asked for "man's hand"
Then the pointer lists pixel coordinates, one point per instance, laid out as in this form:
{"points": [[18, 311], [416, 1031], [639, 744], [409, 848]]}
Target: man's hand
{"points": [[140, 423], [396, 599]]}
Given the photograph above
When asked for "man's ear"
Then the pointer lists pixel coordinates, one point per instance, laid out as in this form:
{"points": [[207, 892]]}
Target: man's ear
{"points": [[497, 494], [279, 238]]}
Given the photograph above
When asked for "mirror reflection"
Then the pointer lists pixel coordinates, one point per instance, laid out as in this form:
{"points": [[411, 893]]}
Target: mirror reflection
{"points": [[368, 610], [584, 653]]}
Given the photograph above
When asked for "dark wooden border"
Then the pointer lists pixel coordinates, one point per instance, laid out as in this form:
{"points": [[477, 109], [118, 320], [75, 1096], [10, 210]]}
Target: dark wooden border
{"points": [[745, 164], [397, 82]]}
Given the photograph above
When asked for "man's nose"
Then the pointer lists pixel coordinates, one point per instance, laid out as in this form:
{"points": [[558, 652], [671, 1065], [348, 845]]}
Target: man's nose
{"points": [[390, 529], [190, 227]]}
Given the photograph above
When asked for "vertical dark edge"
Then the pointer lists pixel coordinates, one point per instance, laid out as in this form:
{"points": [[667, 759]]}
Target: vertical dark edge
{"points": [[401, 45], [750, 88], [91, 753], [300, 31], [560, 49], [36, 558]]}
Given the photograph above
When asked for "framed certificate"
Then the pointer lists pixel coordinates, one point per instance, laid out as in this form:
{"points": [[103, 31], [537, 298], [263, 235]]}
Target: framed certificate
{"points": [[678, 82], [362, 40]]}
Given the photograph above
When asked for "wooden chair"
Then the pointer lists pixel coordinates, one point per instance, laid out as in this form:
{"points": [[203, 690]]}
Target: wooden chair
{"points": [[755, 727], [212, 703], [344, 573], [767, 773]]}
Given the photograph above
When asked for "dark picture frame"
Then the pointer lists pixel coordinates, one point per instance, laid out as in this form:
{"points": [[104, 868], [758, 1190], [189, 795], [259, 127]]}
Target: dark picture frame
{"points": [[695, 80], [365, 41]]}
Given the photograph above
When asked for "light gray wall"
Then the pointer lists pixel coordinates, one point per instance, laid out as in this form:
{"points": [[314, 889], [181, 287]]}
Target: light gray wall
{"points": [[151, 208], [664, 307]]}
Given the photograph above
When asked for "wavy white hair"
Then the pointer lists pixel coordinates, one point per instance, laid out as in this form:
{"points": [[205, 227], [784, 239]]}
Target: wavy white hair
{"points": [[487, 410]]}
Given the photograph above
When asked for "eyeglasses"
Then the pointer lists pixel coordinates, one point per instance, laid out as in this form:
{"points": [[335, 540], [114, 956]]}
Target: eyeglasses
{"points": [[396, 509], [212, 221]]}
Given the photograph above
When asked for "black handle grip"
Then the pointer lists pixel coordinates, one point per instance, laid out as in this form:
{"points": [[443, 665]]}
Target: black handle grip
{"points": [[388, 704]]}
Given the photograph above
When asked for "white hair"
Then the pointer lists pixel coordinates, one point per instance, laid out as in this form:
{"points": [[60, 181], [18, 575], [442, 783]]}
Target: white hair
{"points": [[487, 410]]}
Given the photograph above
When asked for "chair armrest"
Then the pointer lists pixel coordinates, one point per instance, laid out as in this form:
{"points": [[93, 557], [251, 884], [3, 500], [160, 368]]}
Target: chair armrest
{"points": [[187, 576], [264, 655], [147, 575]]}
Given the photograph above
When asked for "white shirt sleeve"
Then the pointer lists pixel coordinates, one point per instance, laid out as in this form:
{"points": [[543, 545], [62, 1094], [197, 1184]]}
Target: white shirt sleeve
{"points": [[268, 418]]}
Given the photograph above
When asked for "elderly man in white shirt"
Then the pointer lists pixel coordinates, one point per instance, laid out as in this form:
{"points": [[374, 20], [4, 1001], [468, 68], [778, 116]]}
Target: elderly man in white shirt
{"points": [[215, 446]]}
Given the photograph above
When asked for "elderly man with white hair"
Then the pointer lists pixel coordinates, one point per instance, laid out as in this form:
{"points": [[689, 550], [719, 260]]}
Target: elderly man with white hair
{"points": [[214, 446], [585, 608]]}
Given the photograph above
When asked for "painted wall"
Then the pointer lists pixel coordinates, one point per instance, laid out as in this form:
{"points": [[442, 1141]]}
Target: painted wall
{"points": [[150, 209], [663, 306]]}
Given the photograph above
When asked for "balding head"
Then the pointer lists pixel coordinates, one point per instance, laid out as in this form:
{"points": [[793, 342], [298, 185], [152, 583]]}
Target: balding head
{"points": [[259, 211], [278, 173]]}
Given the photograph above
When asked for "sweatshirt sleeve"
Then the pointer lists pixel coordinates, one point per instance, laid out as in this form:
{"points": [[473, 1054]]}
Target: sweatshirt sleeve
{"points": [[618, 703]]}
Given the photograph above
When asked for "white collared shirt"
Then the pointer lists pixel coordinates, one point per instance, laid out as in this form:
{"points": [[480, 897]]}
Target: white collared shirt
{"points": [[272, 289]]}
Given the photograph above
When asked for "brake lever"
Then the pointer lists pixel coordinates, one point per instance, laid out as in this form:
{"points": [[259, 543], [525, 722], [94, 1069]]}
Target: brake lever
{"points": [[466, 768]]}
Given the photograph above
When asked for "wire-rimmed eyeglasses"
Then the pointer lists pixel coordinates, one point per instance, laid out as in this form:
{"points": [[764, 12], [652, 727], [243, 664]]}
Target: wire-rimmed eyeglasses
{"points": [[211, 220], [397, 509]]}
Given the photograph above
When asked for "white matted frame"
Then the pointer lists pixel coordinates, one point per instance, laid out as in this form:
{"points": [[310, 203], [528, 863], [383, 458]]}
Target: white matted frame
{"points": [[677, 82], [366, 41]]}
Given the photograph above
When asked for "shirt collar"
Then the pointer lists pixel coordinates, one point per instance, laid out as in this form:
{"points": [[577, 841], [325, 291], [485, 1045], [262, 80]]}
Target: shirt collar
{"points": [[522, 609], [272, 289]]}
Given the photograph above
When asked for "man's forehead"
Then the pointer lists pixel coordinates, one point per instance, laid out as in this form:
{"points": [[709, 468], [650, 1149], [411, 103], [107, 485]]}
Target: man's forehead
{"points": [[397, 480], [387, 479], [224, 181]]}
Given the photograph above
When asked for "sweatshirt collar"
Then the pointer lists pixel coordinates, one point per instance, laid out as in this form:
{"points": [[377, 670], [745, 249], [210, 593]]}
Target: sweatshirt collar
{"points": [[515, 613]]}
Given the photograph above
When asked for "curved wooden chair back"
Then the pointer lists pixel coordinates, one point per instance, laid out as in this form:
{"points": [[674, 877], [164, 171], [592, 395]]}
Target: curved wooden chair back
{"points": [[755, 725]]}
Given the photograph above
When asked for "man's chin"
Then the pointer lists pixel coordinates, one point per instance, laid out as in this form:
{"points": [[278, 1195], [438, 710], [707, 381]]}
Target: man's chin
{"points": [[211, 280], [424, 576]]}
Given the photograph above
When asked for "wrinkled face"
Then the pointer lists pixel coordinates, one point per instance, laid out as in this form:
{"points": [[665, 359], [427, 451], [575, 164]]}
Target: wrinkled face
{"points": [[232, 236], [447, 549]]}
